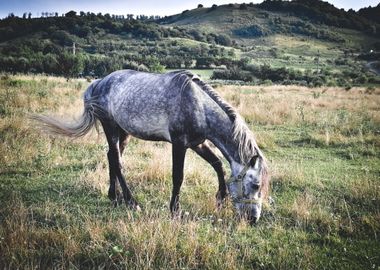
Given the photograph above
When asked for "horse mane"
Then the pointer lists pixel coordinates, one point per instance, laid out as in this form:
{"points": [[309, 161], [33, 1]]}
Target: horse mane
{"points": [[242, 135]]}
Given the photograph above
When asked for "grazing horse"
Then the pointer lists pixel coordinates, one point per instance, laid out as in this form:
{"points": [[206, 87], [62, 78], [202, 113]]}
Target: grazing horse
{"points": [[179, 108]]}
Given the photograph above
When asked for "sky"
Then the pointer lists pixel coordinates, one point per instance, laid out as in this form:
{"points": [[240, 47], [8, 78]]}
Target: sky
{"points": [[123, 7]]}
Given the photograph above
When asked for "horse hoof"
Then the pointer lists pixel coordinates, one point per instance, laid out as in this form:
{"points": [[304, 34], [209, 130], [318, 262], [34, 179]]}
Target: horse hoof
{"points": [[177, 215], [219, 205], [134, 205], [220, 200], [116, 200]]}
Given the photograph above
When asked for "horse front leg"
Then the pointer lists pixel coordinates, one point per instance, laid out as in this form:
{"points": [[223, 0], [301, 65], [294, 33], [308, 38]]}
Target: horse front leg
{"points": [[207, 154], [178, 155]]}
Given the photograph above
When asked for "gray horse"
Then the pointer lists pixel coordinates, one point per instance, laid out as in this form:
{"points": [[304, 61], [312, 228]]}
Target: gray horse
{"points": [[179, 108]]}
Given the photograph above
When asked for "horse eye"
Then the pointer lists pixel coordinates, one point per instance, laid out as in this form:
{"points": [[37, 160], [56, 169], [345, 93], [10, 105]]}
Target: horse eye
{"points": [[255, 186]]}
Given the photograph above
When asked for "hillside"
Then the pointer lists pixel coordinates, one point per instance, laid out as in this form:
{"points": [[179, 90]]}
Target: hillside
{"points": [[307, 17], [303, 42]]}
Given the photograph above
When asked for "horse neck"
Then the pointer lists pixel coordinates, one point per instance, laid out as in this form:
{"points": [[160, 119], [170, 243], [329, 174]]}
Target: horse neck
{"points": [[221, 135]]}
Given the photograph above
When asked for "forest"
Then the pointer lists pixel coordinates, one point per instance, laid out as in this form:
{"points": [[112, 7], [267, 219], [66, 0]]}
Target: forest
{"points": [[85, 44]]}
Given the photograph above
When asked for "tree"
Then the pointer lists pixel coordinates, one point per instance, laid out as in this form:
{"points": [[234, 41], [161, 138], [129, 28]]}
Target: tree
{"points": [[71, 65], [200, 6], [223, 39], [50, 64], [204, 62], [155, 65], [71, 14], [188, 62], [243, 6]]}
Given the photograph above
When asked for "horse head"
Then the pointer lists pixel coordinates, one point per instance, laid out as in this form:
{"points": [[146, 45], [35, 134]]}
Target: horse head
{"points": [[248, 187]]}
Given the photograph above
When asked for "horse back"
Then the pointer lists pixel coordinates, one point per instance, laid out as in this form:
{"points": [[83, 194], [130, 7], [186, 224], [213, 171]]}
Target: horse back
{"points": [[152, 106]]}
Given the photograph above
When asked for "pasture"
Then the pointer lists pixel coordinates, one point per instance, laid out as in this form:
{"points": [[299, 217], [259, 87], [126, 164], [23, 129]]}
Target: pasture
{"points": [[323, 149]]}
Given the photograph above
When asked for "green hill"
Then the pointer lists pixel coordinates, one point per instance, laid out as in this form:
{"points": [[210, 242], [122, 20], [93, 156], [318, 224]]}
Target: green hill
{"points": [[306, 17], [304, 42]]}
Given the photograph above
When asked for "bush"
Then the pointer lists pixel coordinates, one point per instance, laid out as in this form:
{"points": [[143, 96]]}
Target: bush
{"points": [[243, 6], [204, 62], [250, 31], [213, 7], [233, 73], [267, 82], [223, 39], [71, 65], [131, 65], [155, 65]]}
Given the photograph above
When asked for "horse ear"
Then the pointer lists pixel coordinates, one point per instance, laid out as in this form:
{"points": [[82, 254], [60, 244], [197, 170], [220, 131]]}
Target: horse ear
{"points": [[253, 160]]}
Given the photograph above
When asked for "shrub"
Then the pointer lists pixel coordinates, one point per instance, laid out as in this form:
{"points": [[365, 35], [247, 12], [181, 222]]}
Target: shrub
{"points": [[71, 65], [243, 6], [234, 73], [250, 31], [223, 39], [131, 65], [155, 65], [213, 7]]}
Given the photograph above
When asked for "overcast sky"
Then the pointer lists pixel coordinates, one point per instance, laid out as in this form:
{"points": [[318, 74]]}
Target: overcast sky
{"points": [[122, 7]]}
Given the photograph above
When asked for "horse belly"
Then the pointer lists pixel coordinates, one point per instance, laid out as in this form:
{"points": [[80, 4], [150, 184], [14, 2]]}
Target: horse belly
{"points": [[155, 128]]}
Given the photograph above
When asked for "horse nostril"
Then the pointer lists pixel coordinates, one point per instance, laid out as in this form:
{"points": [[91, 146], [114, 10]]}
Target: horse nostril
{"points": [[253, 221], [252, 218], [255, 186]]}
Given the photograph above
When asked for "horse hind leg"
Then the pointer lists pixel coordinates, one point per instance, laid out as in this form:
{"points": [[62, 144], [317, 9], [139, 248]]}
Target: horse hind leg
{"points": [[114, 192], [207, 154], [113, 134]]}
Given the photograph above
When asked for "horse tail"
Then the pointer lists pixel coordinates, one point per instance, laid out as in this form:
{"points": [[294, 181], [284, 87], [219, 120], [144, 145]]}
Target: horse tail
{"points": [[74, 129]]}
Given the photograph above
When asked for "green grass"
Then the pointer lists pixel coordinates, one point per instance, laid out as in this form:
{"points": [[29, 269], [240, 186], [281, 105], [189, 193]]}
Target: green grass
{"points": [[297, 52], [324, 160]]}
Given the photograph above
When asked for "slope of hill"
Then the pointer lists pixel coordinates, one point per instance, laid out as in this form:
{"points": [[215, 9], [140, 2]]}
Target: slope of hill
{"points": [[305, 35], [275, 16], [306, 42]]}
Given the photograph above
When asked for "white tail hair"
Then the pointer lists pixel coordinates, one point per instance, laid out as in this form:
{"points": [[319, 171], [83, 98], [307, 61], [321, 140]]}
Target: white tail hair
{"points": [[72, 129]]}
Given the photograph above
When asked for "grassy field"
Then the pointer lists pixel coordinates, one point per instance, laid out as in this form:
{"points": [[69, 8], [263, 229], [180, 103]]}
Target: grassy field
{"points": [[323, 146]]}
